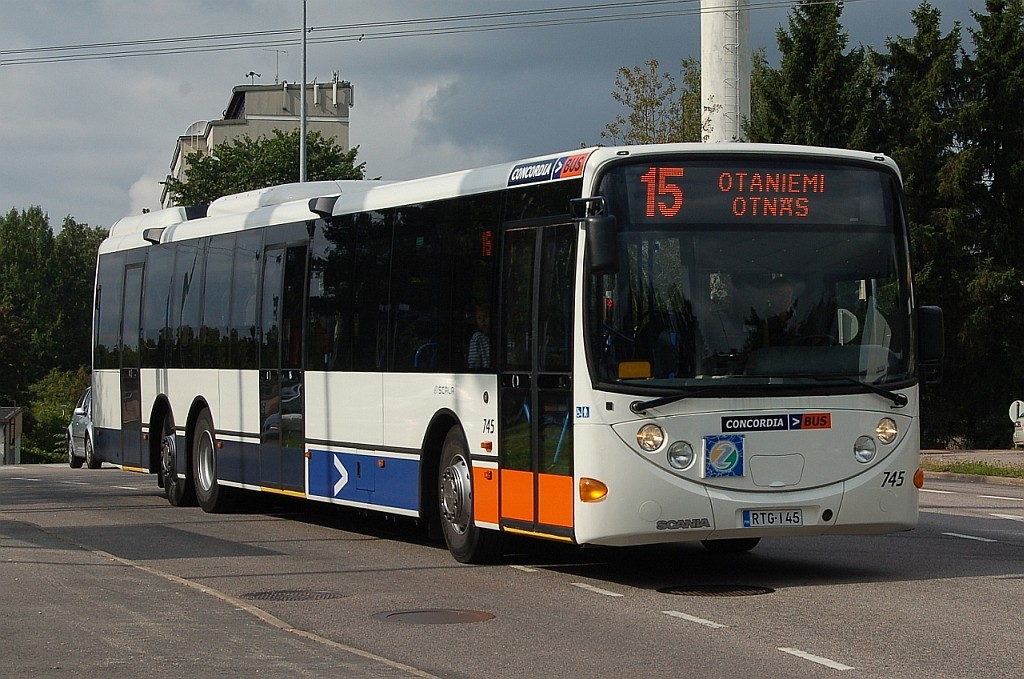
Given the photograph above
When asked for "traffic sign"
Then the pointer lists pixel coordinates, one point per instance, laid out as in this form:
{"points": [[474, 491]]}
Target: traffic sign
{"points": [[1016, 410]]}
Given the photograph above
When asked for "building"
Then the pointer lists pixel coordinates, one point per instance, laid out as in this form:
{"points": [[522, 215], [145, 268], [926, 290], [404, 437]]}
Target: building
{"points": [[10, 435], [257, 110]]}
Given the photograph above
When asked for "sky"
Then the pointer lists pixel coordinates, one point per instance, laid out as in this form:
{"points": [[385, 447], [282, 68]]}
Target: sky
{"points": [[94, 138]]}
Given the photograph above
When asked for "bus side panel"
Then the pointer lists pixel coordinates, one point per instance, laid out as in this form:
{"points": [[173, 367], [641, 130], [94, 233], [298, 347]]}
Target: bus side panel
{"points": [[344, 408]]}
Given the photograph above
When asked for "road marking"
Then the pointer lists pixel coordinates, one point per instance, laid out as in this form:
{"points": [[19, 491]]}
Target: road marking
{"points": [[1000, 497], [1011, 517], [817, 659], [525, 569], [938, 492], [130, 487], [24, 478], [969, 537], [591, 588], [691, 618], [74, 483]]}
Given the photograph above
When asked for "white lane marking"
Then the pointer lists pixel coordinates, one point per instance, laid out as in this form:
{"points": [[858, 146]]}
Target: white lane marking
{"points": [[1000, 497], [74, 483], [1011, 517], [25, 478], [591, 588], [525, 569], [130, 487], [969, 537], [691, 618], [817, 659], [938, 492]]}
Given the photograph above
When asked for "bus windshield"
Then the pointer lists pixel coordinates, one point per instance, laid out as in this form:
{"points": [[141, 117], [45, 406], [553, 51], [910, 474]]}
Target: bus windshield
{"points": [[752, 271]]}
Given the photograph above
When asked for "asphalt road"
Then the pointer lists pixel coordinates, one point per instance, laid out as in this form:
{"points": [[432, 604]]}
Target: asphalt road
{"points": [[99, 576]]}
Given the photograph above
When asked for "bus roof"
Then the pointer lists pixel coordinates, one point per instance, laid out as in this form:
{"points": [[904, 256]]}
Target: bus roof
{"points": [[310, 200]]}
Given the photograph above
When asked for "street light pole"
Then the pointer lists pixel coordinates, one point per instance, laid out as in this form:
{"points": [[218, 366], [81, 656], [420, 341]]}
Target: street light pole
{"points": [[302, 102]]}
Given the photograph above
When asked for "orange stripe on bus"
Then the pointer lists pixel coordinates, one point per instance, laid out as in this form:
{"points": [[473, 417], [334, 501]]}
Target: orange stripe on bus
{"points": [[485, 495], [516, 495], [556, 497]]}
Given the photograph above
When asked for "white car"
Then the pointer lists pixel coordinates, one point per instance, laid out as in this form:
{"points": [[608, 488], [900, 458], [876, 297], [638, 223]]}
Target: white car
{"points": [[79, 437]]}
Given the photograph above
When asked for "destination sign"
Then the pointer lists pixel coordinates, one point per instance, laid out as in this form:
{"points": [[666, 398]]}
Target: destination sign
{"points": [[753, 192]]}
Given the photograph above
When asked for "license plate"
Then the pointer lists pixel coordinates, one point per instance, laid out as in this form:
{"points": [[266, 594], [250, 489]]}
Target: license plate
{"points": [[762, 518]]}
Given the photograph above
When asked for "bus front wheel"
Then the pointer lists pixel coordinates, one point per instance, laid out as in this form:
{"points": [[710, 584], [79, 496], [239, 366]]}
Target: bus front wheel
{"points": [[466, 541]]}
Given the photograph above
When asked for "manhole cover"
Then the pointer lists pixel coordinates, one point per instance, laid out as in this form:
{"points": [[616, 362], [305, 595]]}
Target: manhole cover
{"points": [[434, 616], [292, 595], [716, 590]]}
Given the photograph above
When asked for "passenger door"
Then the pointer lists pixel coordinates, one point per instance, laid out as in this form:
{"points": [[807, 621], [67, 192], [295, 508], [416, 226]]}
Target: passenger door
{"points": [[535, 378]]}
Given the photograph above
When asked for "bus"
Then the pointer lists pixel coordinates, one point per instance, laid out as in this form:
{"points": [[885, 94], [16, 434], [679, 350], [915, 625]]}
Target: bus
{"points": [[608, 346]]}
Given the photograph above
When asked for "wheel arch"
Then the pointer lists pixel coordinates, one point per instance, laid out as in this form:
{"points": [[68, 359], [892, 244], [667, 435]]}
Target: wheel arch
{"points": [[430, 462], [161, 408], [198, 405]]}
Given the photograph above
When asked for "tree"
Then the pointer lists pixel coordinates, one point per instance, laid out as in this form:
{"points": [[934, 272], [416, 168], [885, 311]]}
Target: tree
{"points": [[244, 164], [985, 292], [820, 95], [923, 92], [660, 109], [52, 400]]}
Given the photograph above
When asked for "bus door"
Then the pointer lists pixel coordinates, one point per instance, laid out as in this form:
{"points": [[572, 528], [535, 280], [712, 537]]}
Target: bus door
{"points": [[282, 430], [131, 398], [535, 379]]}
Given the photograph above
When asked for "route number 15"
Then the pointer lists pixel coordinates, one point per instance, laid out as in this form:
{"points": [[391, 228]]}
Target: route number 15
{"points": [[664, 194]]}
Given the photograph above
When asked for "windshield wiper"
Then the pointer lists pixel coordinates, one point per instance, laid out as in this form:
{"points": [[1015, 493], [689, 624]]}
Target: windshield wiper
{"points": [[640, 407], [898, 400]]}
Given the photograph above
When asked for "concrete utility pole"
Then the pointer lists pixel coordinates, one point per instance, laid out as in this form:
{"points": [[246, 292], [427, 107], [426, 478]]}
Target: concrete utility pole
{"points": [[725, 65], [302, 102]]}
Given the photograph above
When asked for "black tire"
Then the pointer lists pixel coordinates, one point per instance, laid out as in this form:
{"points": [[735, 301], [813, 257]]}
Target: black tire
{"points": [[178, 491], [466, 541], [91, 461], [212, 497], [731, 546], [74, 461]]}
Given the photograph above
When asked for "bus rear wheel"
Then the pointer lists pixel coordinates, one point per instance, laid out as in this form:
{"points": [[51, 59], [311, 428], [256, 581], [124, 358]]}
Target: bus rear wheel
{"points": [[467, 542], [177, 488], [212, 497]]}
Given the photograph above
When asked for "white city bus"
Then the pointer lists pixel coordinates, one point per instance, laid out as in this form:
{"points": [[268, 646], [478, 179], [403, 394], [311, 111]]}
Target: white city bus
{"points": [[610, 346]]}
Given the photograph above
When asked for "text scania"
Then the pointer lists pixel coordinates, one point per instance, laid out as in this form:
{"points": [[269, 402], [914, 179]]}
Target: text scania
{"points": [[682, 524], [771, 194]]}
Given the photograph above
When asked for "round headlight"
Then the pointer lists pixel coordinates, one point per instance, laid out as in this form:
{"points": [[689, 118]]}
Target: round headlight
{"points": [[650, 437], [680, 455], [886, 431], [864, 449]]}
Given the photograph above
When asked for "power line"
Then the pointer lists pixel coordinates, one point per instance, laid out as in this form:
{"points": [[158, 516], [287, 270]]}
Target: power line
{"points": [[377, 30]]}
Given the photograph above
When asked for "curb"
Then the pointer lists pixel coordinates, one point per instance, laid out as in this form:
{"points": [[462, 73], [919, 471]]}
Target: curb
{"points": [[973, 478]]}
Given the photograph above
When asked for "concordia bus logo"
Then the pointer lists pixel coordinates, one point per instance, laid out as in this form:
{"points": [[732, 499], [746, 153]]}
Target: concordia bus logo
{"points": [[723, 456]]}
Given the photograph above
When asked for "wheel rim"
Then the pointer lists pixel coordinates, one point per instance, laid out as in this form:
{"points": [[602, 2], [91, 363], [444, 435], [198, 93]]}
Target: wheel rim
{"points": [[456, 494], [168, 456], [205, 462]]}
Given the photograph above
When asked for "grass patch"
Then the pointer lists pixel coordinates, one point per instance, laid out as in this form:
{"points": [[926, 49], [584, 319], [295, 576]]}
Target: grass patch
{"points": [[978, 468]]}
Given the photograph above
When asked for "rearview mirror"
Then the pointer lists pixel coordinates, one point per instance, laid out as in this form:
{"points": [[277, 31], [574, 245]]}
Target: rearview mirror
{"points": [[602, 244]]}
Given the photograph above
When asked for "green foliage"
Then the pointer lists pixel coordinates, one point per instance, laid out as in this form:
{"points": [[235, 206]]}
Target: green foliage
{"points": [[52, 400], [820, 95], [660, 109], [244, 164]]}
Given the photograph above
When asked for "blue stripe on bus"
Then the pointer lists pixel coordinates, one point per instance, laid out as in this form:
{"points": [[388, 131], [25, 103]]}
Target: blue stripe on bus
{"points": [[359, 478]]}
